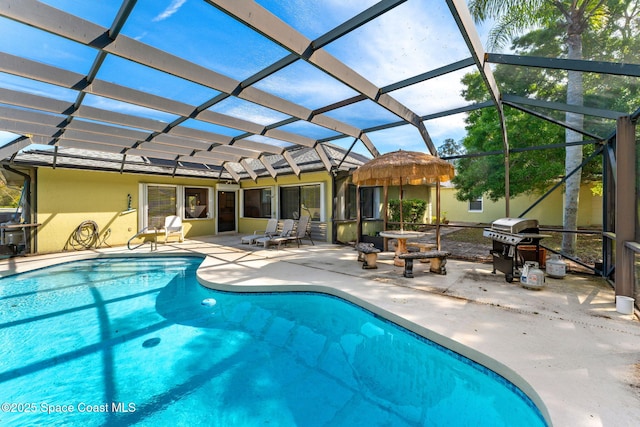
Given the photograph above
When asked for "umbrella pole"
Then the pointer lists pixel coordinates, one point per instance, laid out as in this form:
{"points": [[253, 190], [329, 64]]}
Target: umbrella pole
{"points": [[358, 216], [385, 219], [438, 215], [401, 219]]}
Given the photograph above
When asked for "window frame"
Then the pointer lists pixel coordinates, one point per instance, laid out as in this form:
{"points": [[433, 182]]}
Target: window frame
{"points": [[351, 202], [375, 202], [480, 200], [143, 201], [242, 201], [322, 207], [209, 202]]}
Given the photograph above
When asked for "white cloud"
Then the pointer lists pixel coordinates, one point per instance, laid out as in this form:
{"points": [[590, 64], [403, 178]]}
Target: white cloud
{"points": [[311, 90], [141, 36], [36, 88], [126, 108], [409, 41], [405, 42], [312, 17], [408, 138], [170, 10], [249, 111], [434, 95], [446, 127]]}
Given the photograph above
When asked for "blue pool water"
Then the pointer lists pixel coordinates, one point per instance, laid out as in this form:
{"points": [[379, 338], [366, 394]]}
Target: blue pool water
{"points": [[130, 342]]}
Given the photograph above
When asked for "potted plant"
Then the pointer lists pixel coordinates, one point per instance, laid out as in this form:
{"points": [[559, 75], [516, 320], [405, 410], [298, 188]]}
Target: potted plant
{"points": [[443, 219]]}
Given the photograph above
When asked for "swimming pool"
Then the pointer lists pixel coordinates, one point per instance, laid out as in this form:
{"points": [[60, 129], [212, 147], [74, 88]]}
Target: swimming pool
{"points": [[125, 341]]}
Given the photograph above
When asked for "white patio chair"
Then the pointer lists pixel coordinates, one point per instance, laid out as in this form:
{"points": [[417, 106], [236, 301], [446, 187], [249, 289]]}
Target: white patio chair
{"points": [[283, 236], [172, 226]]}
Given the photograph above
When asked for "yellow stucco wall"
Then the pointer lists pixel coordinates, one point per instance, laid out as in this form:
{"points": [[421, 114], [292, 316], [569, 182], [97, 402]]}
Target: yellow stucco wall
{"points": [[347, 231], [549, 212], [371, 227], [249, 225], [66, 198]]}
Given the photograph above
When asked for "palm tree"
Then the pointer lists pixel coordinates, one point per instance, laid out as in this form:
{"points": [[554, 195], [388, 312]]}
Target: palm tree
{"points": [[514, 17]]}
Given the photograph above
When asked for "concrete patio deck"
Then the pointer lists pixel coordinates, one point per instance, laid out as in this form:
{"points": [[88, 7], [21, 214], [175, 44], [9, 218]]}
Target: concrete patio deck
{"points": [[564, 345]]}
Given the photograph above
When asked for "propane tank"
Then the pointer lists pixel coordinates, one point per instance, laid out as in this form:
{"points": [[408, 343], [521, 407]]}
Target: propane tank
{"points": [[535, 276], [556, 267], [525, 270]]}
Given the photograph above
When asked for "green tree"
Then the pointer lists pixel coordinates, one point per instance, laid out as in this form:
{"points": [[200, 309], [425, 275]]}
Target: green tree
{"points": [[9, 195], [451, 148], [531, 171], [573, 19]]}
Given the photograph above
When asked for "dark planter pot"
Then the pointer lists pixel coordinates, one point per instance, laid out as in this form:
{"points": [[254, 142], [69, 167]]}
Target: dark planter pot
{"points": [[378, 242]]}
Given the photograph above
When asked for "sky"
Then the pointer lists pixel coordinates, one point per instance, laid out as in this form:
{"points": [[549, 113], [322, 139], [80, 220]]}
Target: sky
{"points": [[414, 38]]}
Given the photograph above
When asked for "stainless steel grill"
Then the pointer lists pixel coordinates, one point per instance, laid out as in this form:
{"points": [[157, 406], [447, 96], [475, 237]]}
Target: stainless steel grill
{"points": [[514, 225], [507, 234]]}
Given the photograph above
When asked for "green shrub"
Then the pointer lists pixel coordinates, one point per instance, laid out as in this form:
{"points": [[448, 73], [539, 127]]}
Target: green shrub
{"points": [[412, 212]]}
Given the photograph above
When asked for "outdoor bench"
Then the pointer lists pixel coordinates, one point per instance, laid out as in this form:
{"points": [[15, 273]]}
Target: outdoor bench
{"points": [[419, 246], [367, 254], [438, 261]]}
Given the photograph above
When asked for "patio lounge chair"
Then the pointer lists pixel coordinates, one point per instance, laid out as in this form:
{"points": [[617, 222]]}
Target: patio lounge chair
{"points": [[282, 237], [270, 230], [173, 225], [301, 230]]}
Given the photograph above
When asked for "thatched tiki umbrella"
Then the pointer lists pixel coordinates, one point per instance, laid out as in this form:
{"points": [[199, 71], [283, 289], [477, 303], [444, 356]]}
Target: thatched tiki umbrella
{"points": [[406, 167]]}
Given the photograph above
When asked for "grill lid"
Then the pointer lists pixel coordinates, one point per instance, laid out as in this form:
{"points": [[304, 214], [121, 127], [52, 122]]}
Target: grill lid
{"points": [[513, 225]]}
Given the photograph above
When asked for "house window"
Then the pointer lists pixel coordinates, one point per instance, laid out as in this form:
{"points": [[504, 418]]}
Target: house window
{"points": [[301, 200], [370, 202], [257, 203], [196, 202], [351, 208], [475, 205], [161, 202]]}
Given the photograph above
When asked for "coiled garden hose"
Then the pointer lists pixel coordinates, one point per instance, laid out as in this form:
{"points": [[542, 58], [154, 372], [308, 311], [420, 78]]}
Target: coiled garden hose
{"points": [[86, 235]]}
